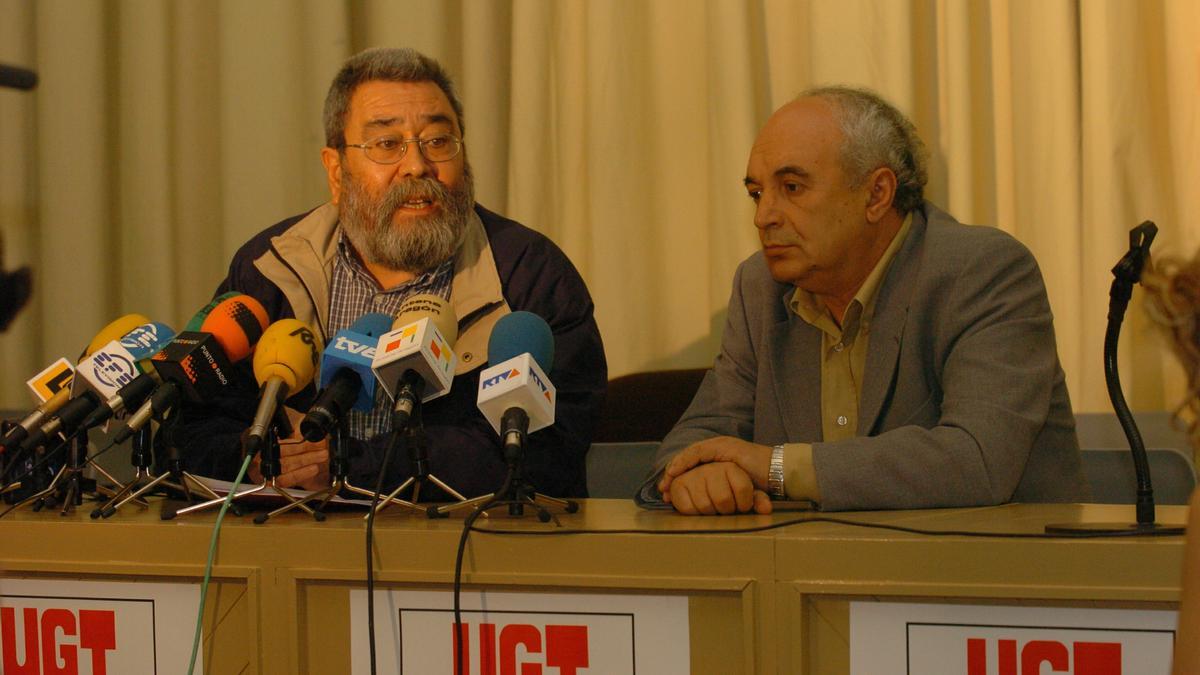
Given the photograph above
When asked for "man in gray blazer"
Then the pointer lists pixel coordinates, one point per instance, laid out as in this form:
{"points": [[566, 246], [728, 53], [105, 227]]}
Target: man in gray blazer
{"points": [[878, 354]]}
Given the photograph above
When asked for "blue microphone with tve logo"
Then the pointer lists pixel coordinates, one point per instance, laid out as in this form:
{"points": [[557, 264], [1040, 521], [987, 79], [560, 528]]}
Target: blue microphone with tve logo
{"points": [[515, 395], [347, 381]]}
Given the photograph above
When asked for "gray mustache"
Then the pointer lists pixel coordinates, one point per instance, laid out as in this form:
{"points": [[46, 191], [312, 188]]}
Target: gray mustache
{"points": [[426, 189]]}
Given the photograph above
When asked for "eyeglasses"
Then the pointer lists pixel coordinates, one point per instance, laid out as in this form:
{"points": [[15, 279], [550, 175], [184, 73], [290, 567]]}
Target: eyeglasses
{"points": [[391, 149]]}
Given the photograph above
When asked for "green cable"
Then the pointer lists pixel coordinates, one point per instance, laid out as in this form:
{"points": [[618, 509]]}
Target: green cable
{"points": [[212, 555]]}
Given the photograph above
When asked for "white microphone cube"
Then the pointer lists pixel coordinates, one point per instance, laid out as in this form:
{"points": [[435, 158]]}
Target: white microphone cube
{"points": [[419, 347], [517, 383], [106, 370]]}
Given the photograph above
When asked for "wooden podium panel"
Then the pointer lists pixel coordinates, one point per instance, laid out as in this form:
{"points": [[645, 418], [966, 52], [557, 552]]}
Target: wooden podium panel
{"points": [[726, 577], [766, 602], [822, 567], [136, 546], [281, 599]]}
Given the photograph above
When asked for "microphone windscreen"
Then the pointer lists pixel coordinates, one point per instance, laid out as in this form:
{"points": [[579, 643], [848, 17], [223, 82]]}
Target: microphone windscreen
{"points": [[520, 332], [428, 305], [146, 340], [237, 323], [114, 331], [198, 318], [372, 325], [288, 350]]}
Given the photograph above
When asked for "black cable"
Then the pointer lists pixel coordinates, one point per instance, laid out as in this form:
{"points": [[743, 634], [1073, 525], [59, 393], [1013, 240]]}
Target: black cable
{"points": [[47, 456], [838, 521], [387, 458], [468, 525]]}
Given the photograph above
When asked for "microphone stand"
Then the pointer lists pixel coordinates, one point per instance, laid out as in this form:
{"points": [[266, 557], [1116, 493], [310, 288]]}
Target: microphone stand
{"points": [[418, 453], [1126, 273], [69, 482], [520, 492], [339, 470], [174, 477], [141, 458], [270, 468]]}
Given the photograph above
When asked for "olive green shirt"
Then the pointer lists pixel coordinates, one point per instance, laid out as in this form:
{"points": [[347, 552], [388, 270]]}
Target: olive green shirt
{"points": [[843, 360]]}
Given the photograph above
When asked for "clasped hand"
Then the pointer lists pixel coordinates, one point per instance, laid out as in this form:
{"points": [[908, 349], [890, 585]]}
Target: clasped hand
{"points": [[301, 464], [718, 475]]}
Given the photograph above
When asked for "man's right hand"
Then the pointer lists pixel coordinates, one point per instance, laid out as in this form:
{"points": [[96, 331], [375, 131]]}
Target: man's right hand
{"points": [[716, 487], [302, 464]]}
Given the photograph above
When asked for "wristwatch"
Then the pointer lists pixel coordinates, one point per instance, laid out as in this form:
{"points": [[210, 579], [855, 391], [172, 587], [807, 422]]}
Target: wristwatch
{"points": [[775, 474]]}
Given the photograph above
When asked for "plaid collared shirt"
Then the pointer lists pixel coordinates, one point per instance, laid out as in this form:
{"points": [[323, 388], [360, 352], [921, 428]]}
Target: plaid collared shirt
{"points": [[355, 292]]}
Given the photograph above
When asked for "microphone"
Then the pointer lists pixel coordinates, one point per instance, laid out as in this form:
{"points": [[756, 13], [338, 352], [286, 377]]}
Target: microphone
{"points": [[415, 361], [199, 364], [114, 331], [15, 77], [515, 395], [198, 318], [135, 393], [102, 376], [52, 386], [34, 419], [284, 363], [347, 381], [139, 345]]}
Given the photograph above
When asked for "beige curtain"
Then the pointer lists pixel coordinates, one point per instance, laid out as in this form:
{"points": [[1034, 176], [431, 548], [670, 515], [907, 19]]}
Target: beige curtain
{"points": [[165, 133]]}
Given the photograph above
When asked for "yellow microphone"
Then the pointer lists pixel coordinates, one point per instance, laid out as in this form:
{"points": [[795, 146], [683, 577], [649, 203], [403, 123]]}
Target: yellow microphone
{"points": [[114, 331], [285, 362], [428, 305]]}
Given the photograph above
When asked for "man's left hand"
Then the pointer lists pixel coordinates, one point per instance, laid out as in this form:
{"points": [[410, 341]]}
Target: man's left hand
{"points": [[753, 458]]}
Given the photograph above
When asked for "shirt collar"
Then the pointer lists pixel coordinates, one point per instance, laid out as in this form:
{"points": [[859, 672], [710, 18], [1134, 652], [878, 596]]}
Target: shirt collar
{"points": [[862, 306]]}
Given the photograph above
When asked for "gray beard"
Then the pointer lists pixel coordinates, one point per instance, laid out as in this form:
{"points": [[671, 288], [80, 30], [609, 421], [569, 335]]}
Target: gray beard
{"points": [[423, 243]]}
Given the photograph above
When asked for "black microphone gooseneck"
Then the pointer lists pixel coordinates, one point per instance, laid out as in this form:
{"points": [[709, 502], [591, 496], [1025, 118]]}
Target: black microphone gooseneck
{"points": [[1126, 273]]}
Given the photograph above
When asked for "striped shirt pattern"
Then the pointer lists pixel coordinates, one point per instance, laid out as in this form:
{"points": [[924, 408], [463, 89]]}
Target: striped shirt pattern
{"points": [[355, 292]]}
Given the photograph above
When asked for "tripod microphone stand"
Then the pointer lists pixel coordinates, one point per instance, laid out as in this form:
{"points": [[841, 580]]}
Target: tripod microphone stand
{"points": [[174, 477], [418, 453], [141, 457], [339, 470], [68, 482], [161, 407], [518, 492], [270, 468], [1126, 273]]}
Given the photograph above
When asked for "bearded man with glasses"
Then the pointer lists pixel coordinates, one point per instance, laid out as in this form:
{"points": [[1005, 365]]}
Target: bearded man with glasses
{"points": [[403, 221]]}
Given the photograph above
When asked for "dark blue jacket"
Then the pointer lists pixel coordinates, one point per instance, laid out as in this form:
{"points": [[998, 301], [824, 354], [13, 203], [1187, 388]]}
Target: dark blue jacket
{"points": [[502, 266]]}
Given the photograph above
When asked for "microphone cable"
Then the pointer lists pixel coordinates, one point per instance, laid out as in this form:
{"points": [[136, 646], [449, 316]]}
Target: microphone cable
{"points": [[835, 520], [393, 441], [46, 457], [468, 526], [39, 463], [212, 555]]}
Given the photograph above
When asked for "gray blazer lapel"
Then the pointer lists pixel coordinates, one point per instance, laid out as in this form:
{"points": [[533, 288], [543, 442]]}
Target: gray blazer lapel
{"points": [[887, 329], [794, 367]]}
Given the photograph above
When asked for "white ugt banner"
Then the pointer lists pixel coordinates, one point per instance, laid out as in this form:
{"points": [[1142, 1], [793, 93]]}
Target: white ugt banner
{"points": [[563, 634]]}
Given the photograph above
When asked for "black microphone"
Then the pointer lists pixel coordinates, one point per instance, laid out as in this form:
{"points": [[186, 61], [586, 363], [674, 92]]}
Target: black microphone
{"points": [[66, 422], [16, 77], [346, 378], [198, 365]]}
